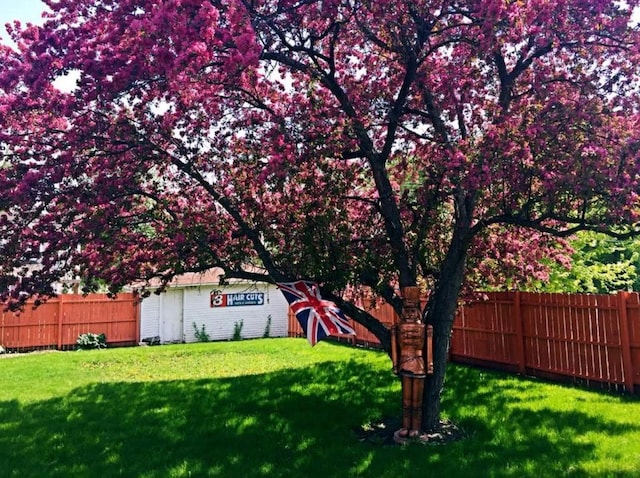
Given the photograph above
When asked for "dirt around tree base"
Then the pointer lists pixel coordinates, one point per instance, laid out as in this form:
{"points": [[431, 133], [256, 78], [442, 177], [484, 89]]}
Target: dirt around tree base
{"points": [[382, 432]]}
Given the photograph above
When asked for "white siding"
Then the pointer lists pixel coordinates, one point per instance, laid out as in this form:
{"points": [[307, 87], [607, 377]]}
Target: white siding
{"points": [[150, 317], [171, 315], [220, 322]]}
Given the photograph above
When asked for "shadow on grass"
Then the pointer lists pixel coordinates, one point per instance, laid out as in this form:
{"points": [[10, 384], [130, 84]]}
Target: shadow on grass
{"points": [[289, 424]]}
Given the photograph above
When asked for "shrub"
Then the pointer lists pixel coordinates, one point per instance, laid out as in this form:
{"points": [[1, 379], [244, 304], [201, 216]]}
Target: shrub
{"points": [[201, 334], [237, 330], [267, 328], [90, 341]]}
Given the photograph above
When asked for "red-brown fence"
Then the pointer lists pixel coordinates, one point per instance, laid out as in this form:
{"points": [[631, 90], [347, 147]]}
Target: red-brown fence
{"points": [[58, 322], [591, 338], [579, 336]]}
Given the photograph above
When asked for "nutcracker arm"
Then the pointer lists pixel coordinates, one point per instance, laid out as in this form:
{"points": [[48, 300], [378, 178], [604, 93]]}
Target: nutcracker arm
{"points": [[429, 347], [394, 348]]}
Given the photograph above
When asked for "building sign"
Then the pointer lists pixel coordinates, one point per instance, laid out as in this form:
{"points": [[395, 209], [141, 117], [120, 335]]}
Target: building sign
{"points": [[219, 299]]}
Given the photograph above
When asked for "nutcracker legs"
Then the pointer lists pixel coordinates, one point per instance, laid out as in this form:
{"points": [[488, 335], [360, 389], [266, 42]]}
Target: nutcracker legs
{"points": [[412, 392]]}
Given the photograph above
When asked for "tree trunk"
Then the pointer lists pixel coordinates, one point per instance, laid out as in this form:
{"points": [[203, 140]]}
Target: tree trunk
{"points": [[434, 384], [440, 313]]}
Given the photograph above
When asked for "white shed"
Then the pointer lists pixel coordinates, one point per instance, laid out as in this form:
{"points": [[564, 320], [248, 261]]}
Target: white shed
{"points": [[197, 301]]}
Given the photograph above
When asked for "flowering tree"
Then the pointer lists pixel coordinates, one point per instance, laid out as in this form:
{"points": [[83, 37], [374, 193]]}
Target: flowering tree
{"points": [[349, 142]]}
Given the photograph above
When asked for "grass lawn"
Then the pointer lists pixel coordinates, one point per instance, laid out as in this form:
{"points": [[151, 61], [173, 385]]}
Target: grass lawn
{"points": [[277, 407]]}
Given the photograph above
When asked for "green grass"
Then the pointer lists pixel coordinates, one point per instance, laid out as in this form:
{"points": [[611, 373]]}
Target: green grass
{"points": [[279, 408]]}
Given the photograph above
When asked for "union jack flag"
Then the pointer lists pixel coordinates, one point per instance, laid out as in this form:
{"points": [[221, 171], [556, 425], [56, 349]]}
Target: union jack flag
{"points": [[319, 318]]}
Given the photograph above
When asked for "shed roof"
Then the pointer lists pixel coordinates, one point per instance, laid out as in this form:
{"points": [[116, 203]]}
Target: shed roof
{"points": [[194, 279], [208, 277]]}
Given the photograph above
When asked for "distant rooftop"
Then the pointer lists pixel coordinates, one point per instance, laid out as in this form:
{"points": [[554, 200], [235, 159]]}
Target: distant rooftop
{"points": [[195, 279]]}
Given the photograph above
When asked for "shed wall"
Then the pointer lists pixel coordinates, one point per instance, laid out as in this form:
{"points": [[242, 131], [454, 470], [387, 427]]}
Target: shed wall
{"points": [[219, 322]]}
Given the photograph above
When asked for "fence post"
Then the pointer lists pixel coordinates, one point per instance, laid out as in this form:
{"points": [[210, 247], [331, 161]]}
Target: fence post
{"points": [[517, 312], [625, 342], [60, 314]]}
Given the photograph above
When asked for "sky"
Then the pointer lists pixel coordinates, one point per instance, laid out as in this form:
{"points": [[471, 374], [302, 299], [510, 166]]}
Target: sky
{"points": [[23, 10]]}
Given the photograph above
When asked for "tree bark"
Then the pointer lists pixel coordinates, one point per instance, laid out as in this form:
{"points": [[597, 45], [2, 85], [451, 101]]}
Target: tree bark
{"points": [[440, 313], [441, 318]]}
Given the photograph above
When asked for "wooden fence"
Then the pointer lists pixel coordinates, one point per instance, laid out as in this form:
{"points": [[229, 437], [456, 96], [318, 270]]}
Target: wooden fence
{"points": [[590, 338], [58, 322]]}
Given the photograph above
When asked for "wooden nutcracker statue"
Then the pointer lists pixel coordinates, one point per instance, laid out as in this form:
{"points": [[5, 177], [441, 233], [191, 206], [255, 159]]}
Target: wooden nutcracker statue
{"points": [[410, 345]]}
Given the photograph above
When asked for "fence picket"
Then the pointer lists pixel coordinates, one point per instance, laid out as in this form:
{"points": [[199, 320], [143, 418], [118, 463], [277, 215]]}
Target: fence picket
{"points": [[625, 341]]}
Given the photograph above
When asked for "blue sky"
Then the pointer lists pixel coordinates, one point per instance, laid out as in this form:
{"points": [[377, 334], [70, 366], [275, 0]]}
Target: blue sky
{"points": [[23, 10]]}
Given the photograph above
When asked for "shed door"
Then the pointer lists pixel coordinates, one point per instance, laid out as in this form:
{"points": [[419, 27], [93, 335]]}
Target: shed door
{"points": [[172, 329], [150, 317]]}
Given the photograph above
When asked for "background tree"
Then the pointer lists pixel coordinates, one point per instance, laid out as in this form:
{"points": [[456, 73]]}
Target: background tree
{"points": [[350, 142], [599, 265]]}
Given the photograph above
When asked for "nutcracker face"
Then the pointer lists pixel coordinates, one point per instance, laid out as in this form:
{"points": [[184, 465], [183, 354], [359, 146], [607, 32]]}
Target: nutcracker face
{"points": [[411, 312], [411, 305]]}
